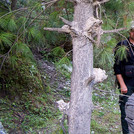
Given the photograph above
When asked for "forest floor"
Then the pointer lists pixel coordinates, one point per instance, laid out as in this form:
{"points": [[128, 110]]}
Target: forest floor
{"points": [[105, 116], [106, 113]]}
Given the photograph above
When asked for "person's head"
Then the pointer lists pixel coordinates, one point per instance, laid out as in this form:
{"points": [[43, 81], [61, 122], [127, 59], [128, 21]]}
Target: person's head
{"points": [[131, 33]]}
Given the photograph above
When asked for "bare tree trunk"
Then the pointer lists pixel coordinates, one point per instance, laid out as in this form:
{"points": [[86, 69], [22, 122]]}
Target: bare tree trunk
{"points": [[13, 4], [83, 29], [81, 92]]}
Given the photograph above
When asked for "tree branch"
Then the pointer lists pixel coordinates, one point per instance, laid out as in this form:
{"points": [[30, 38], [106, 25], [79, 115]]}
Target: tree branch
{"points": [[66, 21], [20, 9], [93, 41], [62, 123], [113, 31], [3, 62], [42, 12], [13, 4], [73, 1], [101, 2], [55, 1], [95, 88], [60, 30], [50, 2], [6, 54]]}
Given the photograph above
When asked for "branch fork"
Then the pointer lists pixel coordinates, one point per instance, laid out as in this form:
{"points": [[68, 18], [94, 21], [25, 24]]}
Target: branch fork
{"points": [[92, 28]]}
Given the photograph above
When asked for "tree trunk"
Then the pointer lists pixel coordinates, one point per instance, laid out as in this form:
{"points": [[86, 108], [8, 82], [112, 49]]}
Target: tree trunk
{"points": [[81, 93], [13, 4], [83, 29]]}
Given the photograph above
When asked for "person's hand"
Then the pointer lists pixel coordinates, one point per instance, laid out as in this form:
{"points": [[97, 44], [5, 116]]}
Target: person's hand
{"points": [[123, 89], [122, 84]]}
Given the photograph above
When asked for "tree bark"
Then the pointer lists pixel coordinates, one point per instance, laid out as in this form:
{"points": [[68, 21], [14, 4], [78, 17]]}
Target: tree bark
{"points": [[13, 4], [81, 93]]}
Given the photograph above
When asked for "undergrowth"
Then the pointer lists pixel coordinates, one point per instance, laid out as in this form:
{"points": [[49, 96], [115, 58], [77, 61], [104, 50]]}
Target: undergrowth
{"points": [[39, 113], [106, 113], [15, 118]]}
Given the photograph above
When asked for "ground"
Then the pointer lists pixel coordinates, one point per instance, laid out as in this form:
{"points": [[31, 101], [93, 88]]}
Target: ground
{"points": [[16, 120]]}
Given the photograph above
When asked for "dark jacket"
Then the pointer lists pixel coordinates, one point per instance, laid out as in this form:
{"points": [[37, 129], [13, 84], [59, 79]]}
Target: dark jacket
{"points": [[119, 66]]}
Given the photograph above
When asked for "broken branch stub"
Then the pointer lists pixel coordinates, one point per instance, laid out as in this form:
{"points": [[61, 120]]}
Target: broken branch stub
{"points": [[64, 29], [99, 74], [63, 106], [66, 21]]}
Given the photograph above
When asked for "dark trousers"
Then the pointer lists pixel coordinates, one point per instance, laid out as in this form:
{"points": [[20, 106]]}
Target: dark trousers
{"points": [[122, 102]]}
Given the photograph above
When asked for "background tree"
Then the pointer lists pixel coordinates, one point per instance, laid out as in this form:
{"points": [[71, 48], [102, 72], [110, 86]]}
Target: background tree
{"points": [[13, 4]]}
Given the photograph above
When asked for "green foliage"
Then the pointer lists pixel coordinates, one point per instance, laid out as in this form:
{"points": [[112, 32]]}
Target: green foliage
{"points": [[121, 52], [63, 61], [24, 51], [19, 71], [6, 40], [131, 6], [12, 25], [58, 52], [114, 7], [3, 23], [21, 78], [13, 61], [56, 55], [63, 9], [15, 118], [24, 77], [104, 58], [106, 114], [35, 34], [98, 127]]}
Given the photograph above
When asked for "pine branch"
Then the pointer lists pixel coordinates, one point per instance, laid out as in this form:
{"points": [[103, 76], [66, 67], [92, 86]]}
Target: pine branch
{"points": [[20, 9], [43, 11], [6, 54], [4, 58], [28, 17], [127, 41], [36, 18], [67, 13]]}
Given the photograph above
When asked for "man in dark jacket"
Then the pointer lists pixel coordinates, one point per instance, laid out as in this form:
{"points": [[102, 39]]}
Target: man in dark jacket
{"points": [[124, 71]]}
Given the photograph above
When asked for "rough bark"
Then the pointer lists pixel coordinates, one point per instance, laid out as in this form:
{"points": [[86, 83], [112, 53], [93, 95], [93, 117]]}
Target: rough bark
{"points": [[81, 94]]}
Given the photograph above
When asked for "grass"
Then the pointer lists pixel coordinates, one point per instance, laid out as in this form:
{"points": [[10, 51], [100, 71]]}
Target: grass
{"points": [[29, 119], [106, 114]]}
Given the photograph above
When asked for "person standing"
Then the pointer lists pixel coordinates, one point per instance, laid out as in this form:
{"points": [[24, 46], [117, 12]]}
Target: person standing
{"points": [[124, 71]]}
